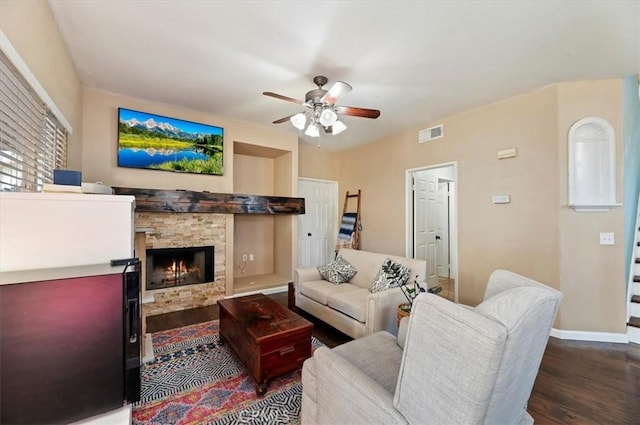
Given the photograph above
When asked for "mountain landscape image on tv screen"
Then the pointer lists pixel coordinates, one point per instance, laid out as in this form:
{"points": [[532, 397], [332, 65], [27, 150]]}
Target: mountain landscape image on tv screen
{"points": [[162, 143]]}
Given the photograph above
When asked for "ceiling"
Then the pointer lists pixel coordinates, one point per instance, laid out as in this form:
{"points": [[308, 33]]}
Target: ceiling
{"points": [[416, 61]]}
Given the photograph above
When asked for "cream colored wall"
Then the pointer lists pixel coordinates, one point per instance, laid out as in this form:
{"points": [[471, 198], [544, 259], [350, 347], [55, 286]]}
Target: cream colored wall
{"points": [[592, 276], [317, 163], [31, 29], [520, 236], [285, 253], [269, 238], [536, 235], [253, 233], [99, 155], [253, 175]]}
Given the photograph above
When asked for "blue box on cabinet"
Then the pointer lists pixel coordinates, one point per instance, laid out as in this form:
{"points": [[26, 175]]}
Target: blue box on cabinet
{"points": [[67, 177]]}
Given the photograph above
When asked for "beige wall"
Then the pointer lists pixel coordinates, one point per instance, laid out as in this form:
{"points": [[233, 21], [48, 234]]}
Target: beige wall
{"points": [[317, 163], [520, 236], [31, 29], [536, 234], [100, 130], [99, 163], [592, 276], [253, 234]]}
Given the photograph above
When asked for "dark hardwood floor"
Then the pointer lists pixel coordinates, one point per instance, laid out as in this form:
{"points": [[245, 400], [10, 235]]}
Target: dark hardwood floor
{"points": [[578, 382]]}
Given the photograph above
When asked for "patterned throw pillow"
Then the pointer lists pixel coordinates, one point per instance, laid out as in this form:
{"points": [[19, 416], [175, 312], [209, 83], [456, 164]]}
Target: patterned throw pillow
{"points": [[390, 274], [338, 271]]}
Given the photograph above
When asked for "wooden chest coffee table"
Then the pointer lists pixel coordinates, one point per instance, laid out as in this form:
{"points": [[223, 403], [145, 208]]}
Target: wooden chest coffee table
{"points": [[268, 338]]}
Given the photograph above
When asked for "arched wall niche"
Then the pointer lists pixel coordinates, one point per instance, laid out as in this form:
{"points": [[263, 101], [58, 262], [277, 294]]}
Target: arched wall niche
{"points": [[592, 166]]}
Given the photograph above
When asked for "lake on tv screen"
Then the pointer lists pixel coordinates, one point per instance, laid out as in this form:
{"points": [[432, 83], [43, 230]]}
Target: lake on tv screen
{"points": [[139, 158]]}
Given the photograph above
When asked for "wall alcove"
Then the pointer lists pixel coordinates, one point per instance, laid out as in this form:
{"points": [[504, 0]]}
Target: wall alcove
{"points": [[263, 254], [592, 168]]}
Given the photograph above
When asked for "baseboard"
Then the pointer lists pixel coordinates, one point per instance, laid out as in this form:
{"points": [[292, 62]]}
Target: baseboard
{"points": [[265, 291], [590, 336]]}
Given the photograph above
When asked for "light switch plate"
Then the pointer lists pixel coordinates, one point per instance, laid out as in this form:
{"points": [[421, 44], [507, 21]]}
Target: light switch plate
{"points": [[501, 199], [508, 153], [606, 238]]}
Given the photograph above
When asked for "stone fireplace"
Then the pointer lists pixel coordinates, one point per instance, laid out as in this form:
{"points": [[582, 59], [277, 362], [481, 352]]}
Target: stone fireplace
{"points": [[176, 244]]}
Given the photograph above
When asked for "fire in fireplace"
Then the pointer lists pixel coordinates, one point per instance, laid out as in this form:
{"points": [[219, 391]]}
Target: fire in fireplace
{"points": [[169, 267]]}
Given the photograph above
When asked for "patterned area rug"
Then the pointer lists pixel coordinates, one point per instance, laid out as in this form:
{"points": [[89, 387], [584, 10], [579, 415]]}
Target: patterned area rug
{"points": [[197, 379]]}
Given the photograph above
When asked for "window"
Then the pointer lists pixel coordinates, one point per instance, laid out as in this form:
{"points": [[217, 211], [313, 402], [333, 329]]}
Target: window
{"points": [[33, 142]]}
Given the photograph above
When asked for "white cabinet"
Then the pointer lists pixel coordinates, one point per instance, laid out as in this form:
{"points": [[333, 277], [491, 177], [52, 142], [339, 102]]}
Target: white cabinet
{"points": [[50, 230]]}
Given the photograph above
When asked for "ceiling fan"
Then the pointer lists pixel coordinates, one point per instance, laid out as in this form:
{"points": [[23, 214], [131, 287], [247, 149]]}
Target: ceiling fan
{"points": [[322, 111]]}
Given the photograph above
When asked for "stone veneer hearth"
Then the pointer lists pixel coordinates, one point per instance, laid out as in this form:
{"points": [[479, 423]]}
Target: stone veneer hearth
{"points": [[179, 230]]}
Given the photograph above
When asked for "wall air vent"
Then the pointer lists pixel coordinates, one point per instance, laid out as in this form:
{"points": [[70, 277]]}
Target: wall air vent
{"points": [[430, 134]]}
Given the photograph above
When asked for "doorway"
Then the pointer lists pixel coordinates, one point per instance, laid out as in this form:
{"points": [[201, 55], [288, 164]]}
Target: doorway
{"points": [[317, 232], [431, 224]]}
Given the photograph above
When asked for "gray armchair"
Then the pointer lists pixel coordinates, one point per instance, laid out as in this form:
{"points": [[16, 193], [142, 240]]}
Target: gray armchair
{"points": [[450, 364]]}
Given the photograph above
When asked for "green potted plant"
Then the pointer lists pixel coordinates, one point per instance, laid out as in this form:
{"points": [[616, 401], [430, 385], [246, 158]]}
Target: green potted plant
{"points": [[411, 291]]}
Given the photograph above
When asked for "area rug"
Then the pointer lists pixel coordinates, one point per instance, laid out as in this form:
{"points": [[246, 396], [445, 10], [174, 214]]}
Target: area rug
{"points": [[196, 379]]}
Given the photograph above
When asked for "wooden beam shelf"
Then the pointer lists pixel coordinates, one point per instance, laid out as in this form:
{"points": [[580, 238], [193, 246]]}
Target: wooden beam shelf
{"points": [[186, 201]]}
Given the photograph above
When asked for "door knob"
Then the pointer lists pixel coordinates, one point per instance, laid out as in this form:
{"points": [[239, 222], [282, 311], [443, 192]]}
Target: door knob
{"points": [[438, 237], [308, 234]]}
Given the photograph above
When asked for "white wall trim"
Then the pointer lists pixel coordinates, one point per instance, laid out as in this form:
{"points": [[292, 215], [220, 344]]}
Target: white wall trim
{"points": [[265, 291], [590, 336], [23, 68], [408, 214]]}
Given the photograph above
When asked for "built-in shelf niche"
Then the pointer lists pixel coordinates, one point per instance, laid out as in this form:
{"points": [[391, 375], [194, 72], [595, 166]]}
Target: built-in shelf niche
{"points": [[269, 172], [592, 166]]}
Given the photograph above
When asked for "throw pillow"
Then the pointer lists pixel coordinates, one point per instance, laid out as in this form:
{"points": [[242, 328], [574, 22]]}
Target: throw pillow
{"points": [[391, 274], [337, 271]]}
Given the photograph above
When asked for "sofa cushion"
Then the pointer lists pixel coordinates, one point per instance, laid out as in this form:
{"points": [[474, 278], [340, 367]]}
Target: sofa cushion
{"points": [[391, 274], [337, 271], [368, 263], [377, 355], [352, 303], [319, 290]]}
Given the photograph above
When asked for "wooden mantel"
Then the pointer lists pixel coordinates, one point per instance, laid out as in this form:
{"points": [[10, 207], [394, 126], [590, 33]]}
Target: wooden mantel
{"points": [[186, 201]]}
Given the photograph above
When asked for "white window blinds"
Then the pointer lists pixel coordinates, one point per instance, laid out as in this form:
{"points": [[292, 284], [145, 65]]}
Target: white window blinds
{"points": [[32, 140]]}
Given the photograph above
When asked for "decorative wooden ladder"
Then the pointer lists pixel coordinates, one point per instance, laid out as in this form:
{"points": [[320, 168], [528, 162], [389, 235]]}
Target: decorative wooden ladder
{"points": [[347, 219]]}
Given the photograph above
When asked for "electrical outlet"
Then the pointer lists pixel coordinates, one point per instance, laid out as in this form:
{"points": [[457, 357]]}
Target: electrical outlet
{"points": [[606, 239], [250, 257], [244, 257]]}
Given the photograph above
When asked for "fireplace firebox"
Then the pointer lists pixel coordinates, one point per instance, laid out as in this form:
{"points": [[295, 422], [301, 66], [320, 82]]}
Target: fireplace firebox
{"points": [[170, 267]]}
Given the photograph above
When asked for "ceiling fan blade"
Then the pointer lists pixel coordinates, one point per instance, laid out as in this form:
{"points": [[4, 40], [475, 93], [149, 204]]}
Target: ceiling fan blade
{"points": [[337, 90], [357, 112], [285, 119], [281, 97]]}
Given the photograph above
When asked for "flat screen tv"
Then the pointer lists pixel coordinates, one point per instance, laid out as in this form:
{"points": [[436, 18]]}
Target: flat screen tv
{"points": [[161, 143]]}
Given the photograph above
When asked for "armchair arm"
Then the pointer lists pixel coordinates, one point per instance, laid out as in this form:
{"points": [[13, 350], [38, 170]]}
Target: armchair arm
{"points": [[305, 275], [381, 311], [346, 395], [402, 331]]}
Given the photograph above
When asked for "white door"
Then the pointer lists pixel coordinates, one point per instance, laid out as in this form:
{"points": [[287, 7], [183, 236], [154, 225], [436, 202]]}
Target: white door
{"points": [[317, 226], [425, 198], [442, 230]]}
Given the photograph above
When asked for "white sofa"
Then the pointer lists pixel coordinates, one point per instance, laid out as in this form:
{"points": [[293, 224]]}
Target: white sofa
{"points": [[350, 307]]}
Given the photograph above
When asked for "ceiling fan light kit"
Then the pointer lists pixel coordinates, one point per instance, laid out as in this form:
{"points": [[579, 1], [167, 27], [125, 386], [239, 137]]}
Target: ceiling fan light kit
{"points": [[299, 120], [328, 117], [321, 109], [338, 127], [312, 130]]}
